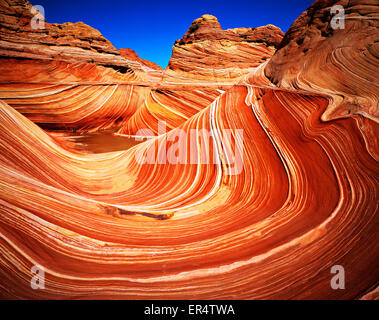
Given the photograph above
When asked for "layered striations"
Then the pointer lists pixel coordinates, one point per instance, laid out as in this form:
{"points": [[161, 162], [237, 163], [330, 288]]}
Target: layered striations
{"points": [[69, 77], [340, 61], [131, 54], [207, 51], [112, 225], [23, 37]]}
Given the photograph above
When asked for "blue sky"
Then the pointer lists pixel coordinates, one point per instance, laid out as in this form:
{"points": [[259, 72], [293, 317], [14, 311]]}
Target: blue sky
{"points": [[151, 27]]}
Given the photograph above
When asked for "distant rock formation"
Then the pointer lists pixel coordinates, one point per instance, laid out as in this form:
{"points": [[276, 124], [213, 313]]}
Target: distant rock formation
{"points": [[67, 42], [207, 27], [70, 54], [206, 50], [132, 55]]}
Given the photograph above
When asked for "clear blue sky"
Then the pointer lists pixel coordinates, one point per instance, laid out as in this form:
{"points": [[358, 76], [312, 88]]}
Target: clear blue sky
{"points": [[151, 27]]}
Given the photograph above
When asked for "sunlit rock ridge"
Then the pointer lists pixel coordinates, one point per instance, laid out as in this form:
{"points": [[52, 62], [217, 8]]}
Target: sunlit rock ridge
{"points": [[104, 225], [206, 50]]}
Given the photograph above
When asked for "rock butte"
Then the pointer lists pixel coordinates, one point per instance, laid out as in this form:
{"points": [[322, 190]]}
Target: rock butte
{"points": [[207, 51], [104, 226]]}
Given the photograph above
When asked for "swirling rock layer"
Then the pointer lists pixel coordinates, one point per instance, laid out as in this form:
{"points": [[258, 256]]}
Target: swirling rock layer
{"points": [[108, 225], [341, 62]]}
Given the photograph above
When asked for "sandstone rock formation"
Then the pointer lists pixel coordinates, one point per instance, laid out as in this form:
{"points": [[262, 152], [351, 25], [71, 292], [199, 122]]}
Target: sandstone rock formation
{"points": [[131, 54], [69, 42], [340, 62], [343, 63], [207, 51], [108, 225], [79, 63]]}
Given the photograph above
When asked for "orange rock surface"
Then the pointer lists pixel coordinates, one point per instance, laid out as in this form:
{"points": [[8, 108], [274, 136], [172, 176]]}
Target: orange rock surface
{"points": [[131, 54], [207, 51], [105, 225], [340, 62]]}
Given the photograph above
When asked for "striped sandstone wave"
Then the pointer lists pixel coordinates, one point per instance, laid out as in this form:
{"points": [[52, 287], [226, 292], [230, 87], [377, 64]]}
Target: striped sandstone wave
{"points": [[108, 225]]}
